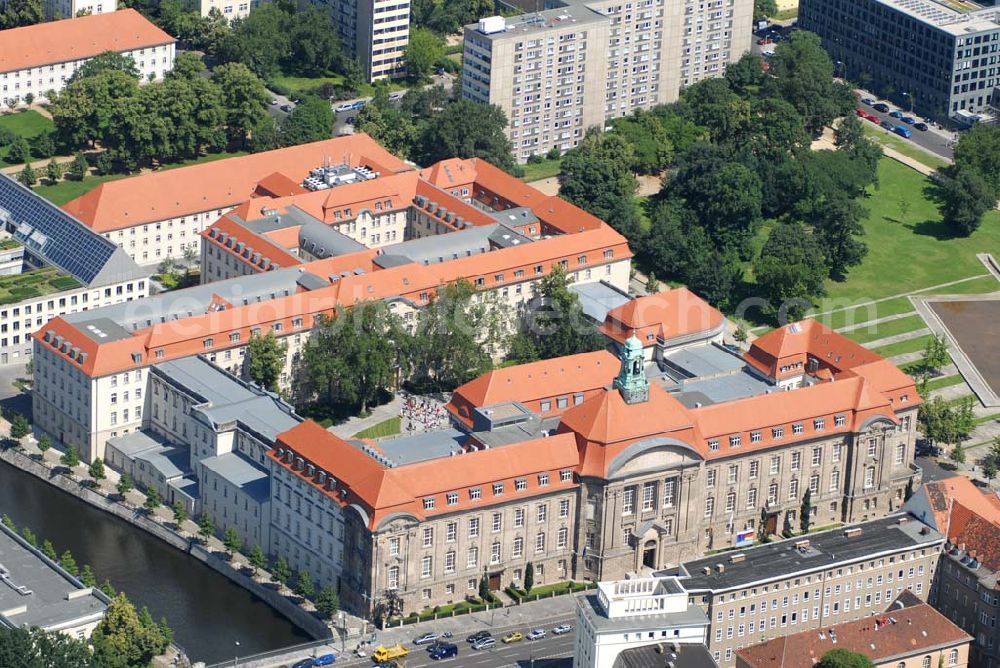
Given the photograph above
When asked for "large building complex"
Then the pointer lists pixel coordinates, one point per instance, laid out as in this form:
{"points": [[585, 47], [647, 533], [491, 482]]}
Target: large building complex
{"points": [[909, 634], [967, 590], [52, 265], [810, 583], [38, 59], [158, 215], [940, 57], [35, 591], [578, 63]]}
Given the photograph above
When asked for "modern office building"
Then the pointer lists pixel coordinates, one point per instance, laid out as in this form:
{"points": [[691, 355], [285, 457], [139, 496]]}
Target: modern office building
{"points": [[53, 265], [38, 59], [158, 215], [579, 63], [626, 615], [810, 583], [967, 590], [35, 591], [908, 634], [938, 57]]}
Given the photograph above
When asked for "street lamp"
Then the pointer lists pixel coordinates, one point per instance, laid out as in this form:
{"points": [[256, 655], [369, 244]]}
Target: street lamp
{"points": [[909, 97], [236, 658]]}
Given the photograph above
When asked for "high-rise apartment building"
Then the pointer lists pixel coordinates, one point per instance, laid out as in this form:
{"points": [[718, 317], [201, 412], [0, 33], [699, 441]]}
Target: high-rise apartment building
{"points": [[559, 71], [374, 33]]}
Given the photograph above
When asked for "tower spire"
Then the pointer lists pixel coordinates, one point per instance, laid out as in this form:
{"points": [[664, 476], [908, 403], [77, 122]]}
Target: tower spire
{"points": [[631, 381]]}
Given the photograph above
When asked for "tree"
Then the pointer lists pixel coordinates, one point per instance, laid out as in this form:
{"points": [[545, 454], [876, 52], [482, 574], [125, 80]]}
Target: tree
{"points": [[965, 419], [845, 658], [388, 124], [124, 485], [422, 52], [265, 360], [8, 522], [104, 163], [328, 602], [958, 454], [935, 355], [529, 577], [17, 13], [206, 528], [43, 145], [597, 176], [87, 576], [989, 469], [281, 572], [265, 135], [312, 120], [763, 9], [44, 444], [108, 589], [765, 530], [27, 176], [232, 540], [465, 129], [31, 648], [79, 167], [180, 513], [259, 41], [90, 109], [48, 550], [96, 470], [304, 586], [715, 106], [30, 536], [315, 45], [70, 458], [849, 132], [965, 197], [244, 97], [837, 223], [740, 334], [484, 589], [805, 511], [257, 559], [126, 637], [18, 151], [152, 499], [109, 60], [555, 324], [19, 427], [790, 270], [69, 563], [978, 151], [353, 356]]}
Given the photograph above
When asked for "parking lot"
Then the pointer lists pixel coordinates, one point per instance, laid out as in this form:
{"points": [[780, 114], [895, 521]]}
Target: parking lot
{"points": [[935, 140]]}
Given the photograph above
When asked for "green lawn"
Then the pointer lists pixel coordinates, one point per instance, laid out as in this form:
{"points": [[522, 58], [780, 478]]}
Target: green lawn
{"points": [[945, 381], [299, 86], [786, 14], [27, 124], [389, 427], [908, 246], [884, 329], [541, 170], [909, 346], [907, 148], [852, 316]]}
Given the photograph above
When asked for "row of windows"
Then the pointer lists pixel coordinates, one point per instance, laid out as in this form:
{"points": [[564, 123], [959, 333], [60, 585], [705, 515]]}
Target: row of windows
{"points": [[476, 493]]}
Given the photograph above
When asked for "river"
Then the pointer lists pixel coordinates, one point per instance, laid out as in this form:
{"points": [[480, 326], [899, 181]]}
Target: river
{"points": [[208, 613]]}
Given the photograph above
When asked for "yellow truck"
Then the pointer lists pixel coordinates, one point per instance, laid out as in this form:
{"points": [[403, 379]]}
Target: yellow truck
{"points": [[389, 653]]}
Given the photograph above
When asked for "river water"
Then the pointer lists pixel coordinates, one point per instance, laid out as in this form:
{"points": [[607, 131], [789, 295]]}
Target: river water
{"points": [[208, 613]]}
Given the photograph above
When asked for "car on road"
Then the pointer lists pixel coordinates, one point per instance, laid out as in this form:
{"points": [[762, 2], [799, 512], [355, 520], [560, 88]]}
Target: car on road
{"points": [[909, 120], [921, 126], [324, 660], [881, 106], [274, 101], [382, 654], [304, 663], [341, 108], [444, 651], [477, 636], [398, 95], [867, 100], [513, 636], [903, 131], [895, 113], [425, 639], [886, 124], [561, 629], [287, 108], [485, 643], [874, 119], [536, 634]]}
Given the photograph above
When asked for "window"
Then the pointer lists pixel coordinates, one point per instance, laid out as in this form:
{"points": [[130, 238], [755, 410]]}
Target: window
{"points": [[543, 479], [925, 662], [392, 578], [755, 437], [754, 469], [497, 489], [798, 428], [451, 531], [520, 485], [953, 657], [872, 447], [495, 552], [449, 561], [563, 508], [709, 506], [473, 558], [835, 457], [772, 493], [775, 465], [839, 420], [713, 444], [710, 478], [777, 432], [497, 522], [428, 536], [518, 518], [562, 537], [900, 453], [518, 547], [474, 527], [669, 493], [628, 501], [540, 542], [796, 461], [452, 498], [734, 471], [565, 475], [752, 497], [735, 441], [426, 564], [648, 496], [817, 456], [429, 503], [475, 493], [730, 502], [869, 477], [793, 488], [542, 512], [393, 547], [814, 483], [834, 480]]}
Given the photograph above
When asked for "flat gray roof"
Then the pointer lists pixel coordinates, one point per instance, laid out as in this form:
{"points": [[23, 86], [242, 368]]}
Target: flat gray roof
{"points": [[241, 472], [779, 560], [135, 442], [724, 388], [322, 241], [691, 616], [653, 656], [169, 461], [527, 24], [404, 450], [704, 360], [46, 589], [597, 299], [453, 245]]}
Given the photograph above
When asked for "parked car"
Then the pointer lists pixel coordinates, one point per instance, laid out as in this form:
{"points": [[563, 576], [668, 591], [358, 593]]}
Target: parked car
{"points": [[444, 651], [351, 120], [341, 108], [274, 101], [881, 106], [861, 112], [536, 634], [895, 113], [425, 639], [867, 100], [304, 663], [477, 636], [903, 131], [325, 660], [561, 629], [398, 95], [886, 124], [485, 643], [909, 120], [874, 119], [921, 126], [359, 104], [287, 108], [764, 40], [513, 636]]}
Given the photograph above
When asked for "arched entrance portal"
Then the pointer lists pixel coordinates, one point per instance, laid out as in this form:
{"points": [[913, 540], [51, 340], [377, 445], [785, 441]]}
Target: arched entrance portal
{"points": [[649, 554]]}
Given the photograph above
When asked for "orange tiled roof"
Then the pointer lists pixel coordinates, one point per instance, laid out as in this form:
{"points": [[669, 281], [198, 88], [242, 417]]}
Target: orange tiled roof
{"points": [[77, 39], [258, 243], [278, 185], [807, 338], [959, 490], [918, 629], [665, 315], [216, 185]]}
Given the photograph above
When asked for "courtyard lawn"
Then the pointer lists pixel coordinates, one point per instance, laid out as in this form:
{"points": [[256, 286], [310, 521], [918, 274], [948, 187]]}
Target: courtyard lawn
{"points": [[390, 427], [946, 381], [909, 346], [884, 329], [541, 170], [27, 124], [908, 246], [907, 148], [296, 87]]}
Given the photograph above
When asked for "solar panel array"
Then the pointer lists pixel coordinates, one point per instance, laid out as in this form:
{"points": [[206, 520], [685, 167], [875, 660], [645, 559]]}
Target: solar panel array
{"points": [[51, 233]]}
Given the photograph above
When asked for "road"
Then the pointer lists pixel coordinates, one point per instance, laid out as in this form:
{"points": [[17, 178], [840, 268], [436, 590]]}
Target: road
{"points": [[936, 141]]}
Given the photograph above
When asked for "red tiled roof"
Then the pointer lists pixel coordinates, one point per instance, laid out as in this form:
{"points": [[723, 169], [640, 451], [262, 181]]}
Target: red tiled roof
{"points": [[918, 629], [666, 315], [79, 38]]}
